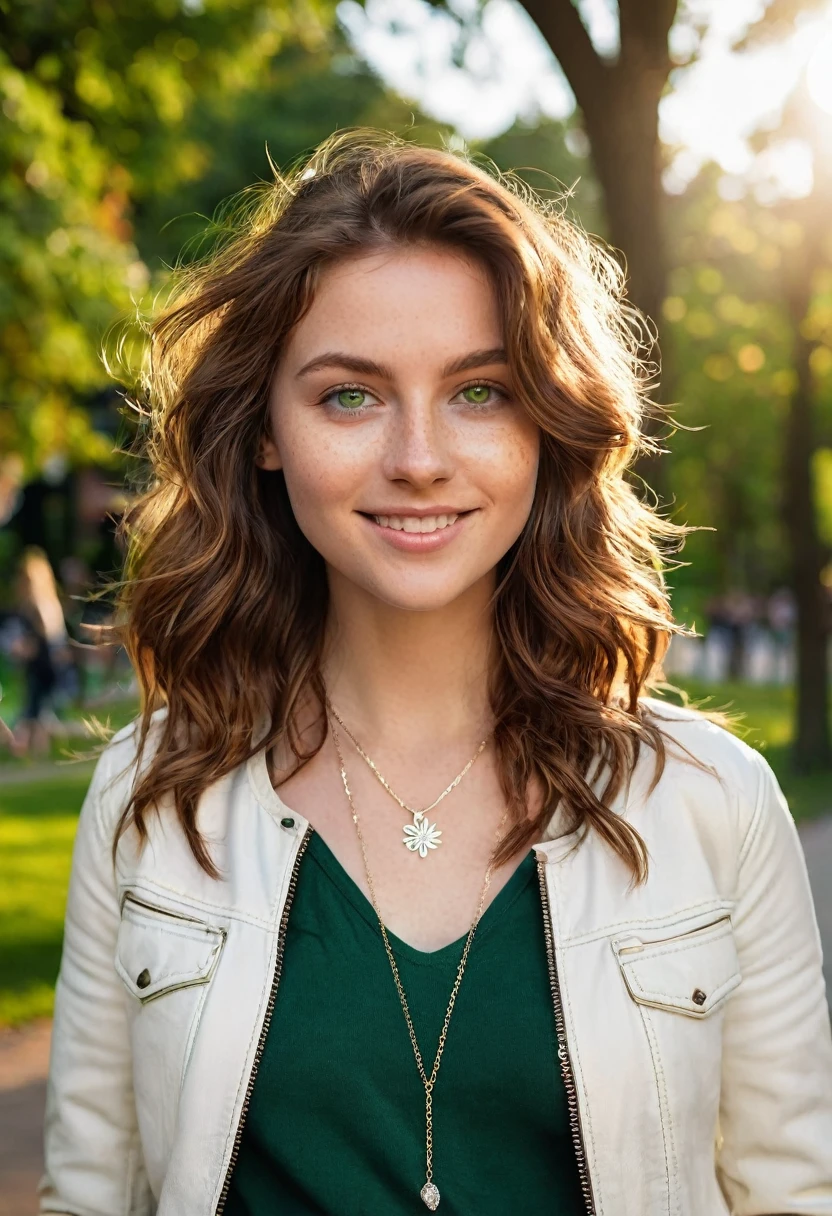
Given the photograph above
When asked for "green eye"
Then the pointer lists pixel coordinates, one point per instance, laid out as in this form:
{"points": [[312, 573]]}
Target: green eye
{"points": [[351, 398], [477, 394]]}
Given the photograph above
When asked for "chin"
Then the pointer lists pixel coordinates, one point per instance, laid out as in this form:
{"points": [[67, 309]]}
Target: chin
{"points": [[424, 595], [426, 602]]}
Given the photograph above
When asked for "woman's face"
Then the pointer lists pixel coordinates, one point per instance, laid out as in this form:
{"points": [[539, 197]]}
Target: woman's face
{"points": [[408, 463]]}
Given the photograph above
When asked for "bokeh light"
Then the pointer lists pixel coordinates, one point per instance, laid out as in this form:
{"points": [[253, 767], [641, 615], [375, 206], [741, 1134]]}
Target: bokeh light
{"points": [[819, 74]]}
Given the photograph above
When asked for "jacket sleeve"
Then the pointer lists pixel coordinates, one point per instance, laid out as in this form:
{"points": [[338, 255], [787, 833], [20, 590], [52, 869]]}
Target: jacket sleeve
{"points": [[775, 1150], [92, 1151]]}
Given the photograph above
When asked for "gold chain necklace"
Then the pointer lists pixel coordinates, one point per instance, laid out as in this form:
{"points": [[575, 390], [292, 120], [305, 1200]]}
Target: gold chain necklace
{"points": [[419, 836], [429, 1192]]}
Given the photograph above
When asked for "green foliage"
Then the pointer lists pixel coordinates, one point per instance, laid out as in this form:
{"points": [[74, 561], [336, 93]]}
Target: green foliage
{"points": [[122, 128], [731, 345], [65, 266], [823, 483], [305, 94], [94, 99]]}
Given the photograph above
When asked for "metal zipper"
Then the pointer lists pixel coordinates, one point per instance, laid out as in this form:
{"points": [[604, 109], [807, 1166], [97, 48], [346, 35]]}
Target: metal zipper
{"points": [[638, 945], [563, 1049], [258, 1055]]}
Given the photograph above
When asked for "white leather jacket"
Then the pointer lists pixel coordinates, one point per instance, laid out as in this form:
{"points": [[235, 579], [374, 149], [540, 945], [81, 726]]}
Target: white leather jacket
{"points": [[690, 1011]]}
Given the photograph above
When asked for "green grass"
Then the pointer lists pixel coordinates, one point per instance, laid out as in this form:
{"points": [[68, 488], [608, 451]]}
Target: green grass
{"points": [[38, 819], [37, 828]]}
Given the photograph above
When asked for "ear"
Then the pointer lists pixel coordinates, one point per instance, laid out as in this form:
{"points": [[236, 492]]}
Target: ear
{"points": [[268, 456]]}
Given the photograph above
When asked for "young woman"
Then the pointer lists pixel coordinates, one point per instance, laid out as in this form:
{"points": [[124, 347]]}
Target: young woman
{"points": [[400, 892]]}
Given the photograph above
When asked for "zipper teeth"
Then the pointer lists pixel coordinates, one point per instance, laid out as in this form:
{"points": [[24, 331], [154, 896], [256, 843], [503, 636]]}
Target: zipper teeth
{"points": [[678, 937], [563, 1049], [258, 1055]]}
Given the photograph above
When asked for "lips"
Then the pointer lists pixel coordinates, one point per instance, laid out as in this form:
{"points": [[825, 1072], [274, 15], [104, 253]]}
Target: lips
{"points": [[418, 533]]}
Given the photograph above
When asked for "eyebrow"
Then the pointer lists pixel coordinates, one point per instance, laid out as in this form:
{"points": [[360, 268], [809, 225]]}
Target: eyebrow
{"points": [[367, 367]]}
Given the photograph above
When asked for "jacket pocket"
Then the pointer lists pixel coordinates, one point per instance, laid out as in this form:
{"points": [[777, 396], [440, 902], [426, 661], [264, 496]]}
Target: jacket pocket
{"points": [[160, 951], [165, 959], [692, 972]]}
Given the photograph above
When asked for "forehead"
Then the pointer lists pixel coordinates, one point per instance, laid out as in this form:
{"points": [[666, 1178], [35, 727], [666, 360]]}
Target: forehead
{"points": [[426, 302]]}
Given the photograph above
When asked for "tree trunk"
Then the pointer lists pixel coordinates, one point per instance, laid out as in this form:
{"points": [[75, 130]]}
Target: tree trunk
{"points": [[811, 749], [626, 156], [619, 100], [624, 138]]}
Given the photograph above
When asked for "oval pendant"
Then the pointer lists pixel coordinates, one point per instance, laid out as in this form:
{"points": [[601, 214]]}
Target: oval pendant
{"points": [[430, 1195]]}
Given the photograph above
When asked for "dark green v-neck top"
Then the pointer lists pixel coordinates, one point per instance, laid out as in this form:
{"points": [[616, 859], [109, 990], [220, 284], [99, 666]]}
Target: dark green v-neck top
{"points": [[336, 1124]]}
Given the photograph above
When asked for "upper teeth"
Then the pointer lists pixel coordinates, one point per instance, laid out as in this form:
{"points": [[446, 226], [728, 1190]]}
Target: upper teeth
{"points": [[415, 523]]}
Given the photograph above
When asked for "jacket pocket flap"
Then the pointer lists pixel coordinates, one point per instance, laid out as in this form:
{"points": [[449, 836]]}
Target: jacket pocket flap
{"points": [[691, 973], [159, 951]]}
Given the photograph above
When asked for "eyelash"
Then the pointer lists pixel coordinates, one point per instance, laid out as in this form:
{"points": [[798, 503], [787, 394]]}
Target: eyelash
{"points": [[326, 400]]}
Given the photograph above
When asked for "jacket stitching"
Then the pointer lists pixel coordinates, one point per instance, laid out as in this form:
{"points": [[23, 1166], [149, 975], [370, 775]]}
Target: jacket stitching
{"points": [[756, 820], [189, 1046], [664, 1108], [196, 902], [211, 936], [131, 1178], [141, 1203], [667, 918], [129, 1174], [680, 948], [134, 1167], [255, 1033]]}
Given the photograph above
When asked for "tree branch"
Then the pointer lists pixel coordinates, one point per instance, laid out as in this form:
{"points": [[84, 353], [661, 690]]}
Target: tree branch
{"points": [[560, 24]]}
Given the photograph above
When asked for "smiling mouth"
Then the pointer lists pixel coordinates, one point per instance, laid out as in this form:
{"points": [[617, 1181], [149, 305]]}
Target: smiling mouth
{"points": [[416, 523]]}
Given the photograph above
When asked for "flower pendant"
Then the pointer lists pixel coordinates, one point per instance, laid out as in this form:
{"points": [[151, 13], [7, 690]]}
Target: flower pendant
{"points": [[420, 835]]}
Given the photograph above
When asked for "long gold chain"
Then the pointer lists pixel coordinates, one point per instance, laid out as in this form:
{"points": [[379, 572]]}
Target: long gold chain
{"points": [[429, 1192], [410, 810]]}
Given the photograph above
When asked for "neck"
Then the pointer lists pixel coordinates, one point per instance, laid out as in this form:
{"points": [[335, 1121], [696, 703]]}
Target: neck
{"points": [[395, 674]]}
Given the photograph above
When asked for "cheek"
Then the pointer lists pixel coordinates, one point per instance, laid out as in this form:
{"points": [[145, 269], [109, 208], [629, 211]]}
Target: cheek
{"points": [[321, 472], [511, 465]]}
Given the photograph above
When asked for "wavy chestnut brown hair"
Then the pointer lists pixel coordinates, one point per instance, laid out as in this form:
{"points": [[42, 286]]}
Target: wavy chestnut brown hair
{"points": [[223, 603]]}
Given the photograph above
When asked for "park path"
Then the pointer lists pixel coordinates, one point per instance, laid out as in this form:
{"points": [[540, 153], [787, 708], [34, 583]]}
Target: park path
{"points": [[23, 1058], [42, 770], [24, 1054], [817, 845]]}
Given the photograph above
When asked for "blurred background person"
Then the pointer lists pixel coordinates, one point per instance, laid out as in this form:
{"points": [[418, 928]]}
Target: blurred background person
{"points": [[781, 613], [41, 645]]}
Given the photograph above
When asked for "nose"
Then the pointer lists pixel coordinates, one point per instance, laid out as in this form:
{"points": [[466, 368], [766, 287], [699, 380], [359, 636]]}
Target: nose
{"points": [[419, 447]]}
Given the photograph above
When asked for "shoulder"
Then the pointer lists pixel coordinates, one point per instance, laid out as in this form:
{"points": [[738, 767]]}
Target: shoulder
{"points": [[118, 765], [724, 784], [689, 733]]}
